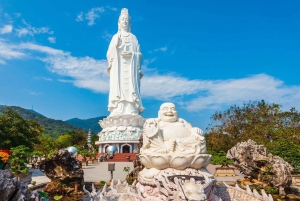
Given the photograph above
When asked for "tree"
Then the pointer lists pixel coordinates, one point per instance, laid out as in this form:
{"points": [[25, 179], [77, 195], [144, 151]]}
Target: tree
{"points": [[47, 144], [64, 141], [15, 131], [264, 123], [93, 140], [71, 138]]}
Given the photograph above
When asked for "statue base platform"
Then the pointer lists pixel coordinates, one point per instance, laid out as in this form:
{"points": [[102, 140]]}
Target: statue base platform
{"points": [[122, 131], [172, 184], [177, 161]]}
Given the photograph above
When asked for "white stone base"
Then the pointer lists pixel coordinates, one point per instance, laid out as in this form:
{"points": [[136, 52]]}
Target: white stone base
{"points": [[172, 184], [119, 131]]}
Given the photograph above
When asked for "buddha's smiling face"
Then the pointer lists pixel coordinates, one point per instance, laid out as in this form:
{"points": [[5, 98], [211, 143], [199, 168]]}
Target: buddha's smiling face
{"points": [[168, 112]]}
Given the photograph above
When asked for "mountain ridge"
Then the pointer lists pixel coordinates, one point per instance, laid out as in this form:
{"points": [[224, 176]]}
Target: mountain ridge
{"points": [[55, 127]]}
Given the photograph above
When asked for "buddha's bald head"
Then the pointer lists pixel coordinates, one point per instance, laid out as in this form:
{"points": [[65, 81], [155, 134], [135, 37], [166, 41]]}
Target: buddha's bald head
{"points": [[167, 112]]}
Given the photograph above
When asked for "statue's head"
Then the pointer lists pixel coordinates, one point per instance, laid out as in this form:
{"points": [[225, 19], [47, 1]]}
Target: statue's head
{"points": [[167, 112], [124, 20]]}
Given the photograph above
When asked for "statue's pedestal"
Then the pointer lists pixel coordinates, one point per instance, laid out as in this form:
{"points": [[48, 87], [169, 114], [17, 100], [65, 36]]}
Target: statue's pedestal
{"points": [[172, 184], [122, 131]]}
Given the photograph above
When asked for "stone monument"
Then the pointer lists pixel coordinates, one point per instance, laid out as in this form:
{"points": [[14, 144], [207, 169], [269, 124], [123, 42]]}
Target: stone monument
{"points": [[175, 160], [123, 127], [173, 152]]}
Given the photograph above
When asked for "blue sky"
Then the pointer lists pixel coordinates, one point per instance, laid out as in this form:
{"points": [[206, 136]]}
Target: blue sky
{"points": [[202, 55]]}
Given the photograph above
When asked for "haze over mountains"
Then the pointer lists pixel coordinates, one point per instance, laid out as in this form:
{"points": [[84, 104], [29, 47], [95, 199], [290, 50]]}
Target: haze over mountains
{"points": [[57, 127]]}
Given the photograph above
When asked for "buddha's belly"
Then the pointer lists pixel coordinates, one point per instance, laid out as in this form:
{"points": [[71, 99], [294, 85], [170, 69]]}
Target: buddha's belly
{"points": [[174, 131]]}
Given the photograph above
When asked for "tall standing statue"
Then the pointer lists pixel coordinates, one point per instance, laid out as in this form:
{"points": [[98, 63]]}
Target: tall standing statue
{"points": [[124, 69]]}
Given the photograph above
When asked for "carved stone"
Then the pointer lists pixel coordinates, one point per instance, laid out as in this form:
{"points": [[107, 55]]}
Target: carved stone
{"points": [[64, 168], [255, 161]]}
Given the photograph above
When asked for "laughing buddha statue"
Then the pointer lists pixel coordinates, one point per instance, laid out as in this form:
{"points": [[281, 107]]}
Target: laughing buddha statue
{"points": [[171, 142]]}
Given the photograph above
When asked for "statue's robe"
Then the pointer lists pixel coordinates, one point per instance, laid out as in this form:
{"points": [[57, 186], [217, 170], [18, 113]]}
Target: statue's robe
{"points": [[124, 73]]}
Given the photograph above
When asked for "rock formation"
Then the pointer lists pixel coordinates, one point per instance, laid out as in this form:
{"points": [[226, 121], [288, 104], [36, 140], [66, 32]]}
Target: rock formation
{"points": [[63, 168], [254, 161], [10, 188]]}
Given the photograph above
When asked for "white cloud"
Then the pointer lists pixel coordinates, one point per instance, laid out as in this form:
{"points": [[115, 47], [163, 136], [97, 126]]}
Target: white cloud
{"points": [[52, 39], [91, 16], [17, 15], [42, 49], [193, 95], [215, 94], [107, 36], [6, 29], [161, 49], [79, 17], [30, 30], [112, 8], [43, 78], [9, 51]]}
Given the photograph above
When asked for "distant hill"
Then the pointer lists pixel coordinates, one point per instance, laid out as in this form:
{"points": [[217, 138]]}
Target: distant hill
{"points": [[53, 127], [91, 123]]}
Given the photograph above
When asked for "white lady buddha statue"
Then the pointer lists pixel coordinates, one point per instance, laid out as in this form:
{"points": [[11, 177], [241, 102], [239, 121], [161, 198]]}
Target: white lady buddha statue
{"points": [[124, 69]]}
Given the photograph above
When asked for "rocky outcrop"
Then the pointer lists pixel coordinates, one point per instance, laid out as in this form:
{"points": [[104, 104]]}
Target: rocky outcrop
{"points": [[255, 161], [8, 184], [10, 188], [63, 168]]}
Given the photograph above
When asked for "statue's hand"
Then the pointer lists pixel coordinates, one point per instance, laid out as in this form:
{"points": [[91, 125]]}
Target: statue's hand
{"points": [[126, 54], [197, 130]]}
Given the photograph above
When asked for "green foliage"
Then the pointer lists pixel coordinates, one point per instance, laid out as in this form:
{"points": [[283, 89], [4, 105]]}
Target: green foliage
{"points": [[43, 194], [58, 197], [271, 190], [50, 153], [15, 131], [18, 159], [83, 151], [52, 127], [47, 144], [264, 123], [71, 138], [63, 141], [219, 158], [93, 140], [102, 183], [287, 150], [92, 123], [126, 169]]}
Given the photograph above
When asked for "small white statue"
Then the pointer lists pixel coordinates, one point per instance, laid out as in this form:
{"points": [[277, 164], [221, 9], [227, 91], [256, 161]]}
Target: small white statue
{"points": [[170, 134], [124, 69]]}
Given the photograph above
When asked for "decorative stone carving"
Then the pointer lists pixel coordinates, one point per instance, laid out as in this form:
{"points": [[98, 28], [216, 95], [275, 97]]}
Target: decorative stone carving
{"points": [[121, 128], [171, 142], [255, 161], [228, 193], [172, 184], [64, 168], [124, 69]]}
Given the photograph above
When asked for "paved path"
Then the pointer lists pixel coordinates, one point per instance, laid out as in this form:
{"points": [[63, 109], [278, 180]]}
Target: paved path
{"points": [[93, 172], [99, 172]]}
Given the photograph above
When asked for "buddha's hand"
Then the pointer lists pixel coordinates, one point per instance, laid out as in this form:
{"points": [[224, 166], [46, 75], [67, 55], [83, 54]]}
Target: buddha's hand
{"points": [[197, 130], [197, 133]]}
